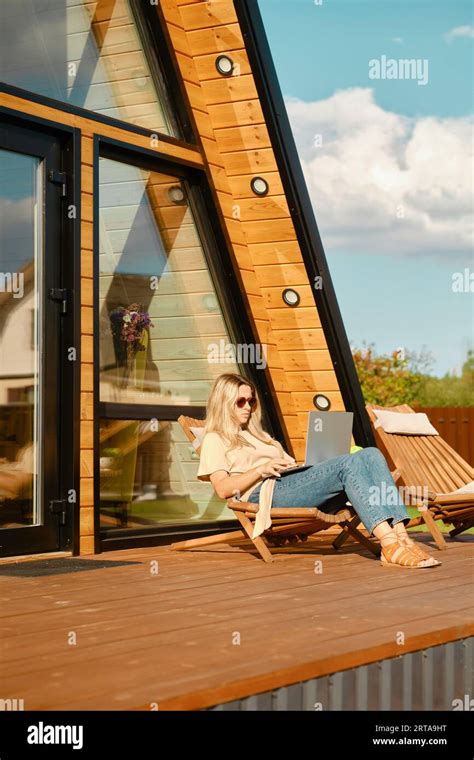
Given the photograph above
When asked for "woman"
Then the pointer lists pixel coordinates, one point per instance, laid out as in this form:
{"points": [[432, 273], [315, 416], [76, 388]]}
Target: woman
{"points": [[240, 458]]}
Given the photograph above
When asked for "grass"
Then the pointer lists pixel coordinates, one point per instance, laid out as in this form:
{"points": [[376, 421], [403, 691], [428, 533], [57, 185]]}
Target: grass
{"points": [[413, 512]]}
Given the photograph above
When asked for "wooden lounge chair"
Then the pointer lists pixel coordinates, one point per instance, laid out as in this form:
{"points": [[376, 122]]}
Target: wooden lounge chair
{"points": [[431, 470], [288, 525]]}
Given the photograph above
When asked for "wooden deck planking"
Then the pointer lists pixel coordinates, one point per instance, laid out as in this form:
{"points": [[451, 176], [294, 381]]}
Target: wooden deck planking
{"points": [[168, 638]]}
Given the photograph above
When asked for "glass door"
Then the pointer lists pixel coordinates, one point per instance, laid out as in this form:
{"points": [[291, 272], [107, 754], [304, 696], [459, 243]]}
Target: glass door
{"points": [[30, 224]]}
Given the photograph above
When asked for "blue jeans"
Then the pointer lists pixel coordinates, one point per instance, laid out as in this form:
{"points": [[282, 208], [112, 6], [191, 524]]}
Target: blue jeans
{"points": [[363, 478]]}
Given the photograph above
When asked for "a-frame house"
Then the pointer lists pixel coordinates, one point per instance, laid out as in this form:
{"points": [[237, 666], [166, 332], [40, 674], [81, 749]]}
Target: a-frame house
{"points": [[148, 162]]}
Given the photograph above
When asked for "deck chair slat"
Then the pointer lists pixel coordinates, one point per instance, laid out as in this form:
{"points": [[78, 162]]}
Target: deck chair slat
{"points": [[407, 462], [430, 470], [459, 464], [412, 464], [454, 474], [424, 468], [451, 468]]}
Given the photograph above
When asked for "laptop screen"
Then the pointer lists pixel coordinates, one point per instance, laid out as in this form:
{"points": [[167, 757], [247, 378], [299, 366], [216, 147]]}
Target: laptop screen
{"points": [[328, 435]]}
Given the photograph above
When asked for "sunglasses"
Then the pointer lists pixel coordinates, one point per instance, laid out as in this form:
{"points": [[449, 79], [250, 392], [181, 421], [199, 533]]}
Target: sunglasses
{"points": [[242, 401]]}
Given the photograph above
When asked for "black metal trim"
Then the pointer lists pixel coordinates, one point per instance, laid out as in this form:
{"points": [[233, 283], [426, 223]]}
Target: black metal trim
{"points": [[132, 538], [110, 411], [54, 127], [108, 121], [71, 381], [294, 184]]}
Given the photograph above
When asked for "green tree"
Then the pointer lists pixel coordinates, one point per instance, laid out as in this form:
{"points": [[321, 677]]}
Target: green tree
{"points": [[405, 379], [448, 390], [389, 380]]}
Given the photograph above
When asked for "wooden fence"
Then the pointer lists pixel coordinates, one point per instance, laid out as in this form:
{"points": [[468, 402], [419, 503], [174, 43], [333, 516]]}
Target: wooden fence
{"points": [[456, 425]]}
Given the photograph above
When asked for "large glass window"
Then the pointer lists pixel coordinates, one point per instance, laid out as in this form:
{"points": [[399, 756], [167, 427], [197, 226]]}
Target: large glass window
{"points": [[148, 477], [153, 270], [163, 340], [21, 349], [86, 54]]}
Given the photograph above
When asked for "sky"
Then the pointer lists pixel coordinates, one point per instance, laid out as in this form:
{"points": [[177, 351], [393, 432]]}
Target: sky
{"points": [[386, 151]]}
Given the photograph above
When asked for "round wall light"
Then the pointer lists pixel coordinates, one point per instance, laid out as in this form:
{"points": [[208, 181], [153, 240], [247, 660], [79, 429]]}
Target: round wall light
{"points": [[140, 80], [210, 302], [290, 297], [225, 65], [321, 402], [259, 186], [176, 194]]}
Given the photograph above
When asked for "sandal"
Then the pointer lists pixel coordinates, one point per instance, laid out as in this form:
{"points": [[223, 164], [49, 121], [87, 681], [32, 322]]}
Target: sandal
{"points": [[396, 555], [420, 552]]}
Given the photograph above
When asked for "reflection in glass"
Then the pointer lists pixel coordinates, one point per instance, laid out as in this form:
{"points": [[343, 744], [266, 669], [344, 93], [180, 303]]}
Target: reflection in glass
{"points": [[153, 269], [148, 475], [20, 338], [83, 53]]}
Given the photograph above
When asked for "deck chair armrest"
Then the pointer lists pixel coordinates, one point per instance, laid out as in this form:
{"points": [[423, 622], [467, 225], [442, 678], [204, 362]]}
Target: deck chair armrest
{"points": [[454, 498], [242, 506]]}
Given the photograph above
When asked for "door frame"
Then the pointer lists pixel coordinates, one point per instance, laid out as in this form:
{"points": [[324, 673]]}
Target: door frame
{"points": [[69, 371]]}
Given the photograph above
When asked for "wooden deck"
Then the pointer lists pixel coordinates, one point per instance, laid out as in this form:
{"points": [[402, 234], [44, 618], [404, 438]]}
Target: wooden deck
{"points": [[169, 638]]}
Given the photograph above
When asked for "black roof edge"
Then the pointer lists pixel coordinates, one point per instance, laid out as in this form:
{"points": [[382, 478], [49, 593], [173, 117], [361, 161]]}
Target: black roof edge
{"points": [[294, 184]]}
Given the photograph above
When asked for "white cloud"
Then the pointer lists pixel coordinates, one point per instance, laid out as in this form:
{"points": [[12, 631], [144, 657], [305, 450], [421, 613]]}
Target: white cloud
{"points": [[382, 182], [459, 31]]}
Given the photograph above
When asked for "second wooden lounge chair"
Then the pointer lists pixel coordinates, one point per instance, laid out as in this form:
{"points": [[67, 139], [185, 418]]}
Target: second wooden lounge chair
{"points": [[431, 467], [289, 525]]}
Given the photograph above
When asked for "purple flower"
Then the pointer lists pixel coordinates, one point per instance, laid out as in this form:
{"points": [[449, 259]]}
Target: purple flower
{"points": [[128, 326]]}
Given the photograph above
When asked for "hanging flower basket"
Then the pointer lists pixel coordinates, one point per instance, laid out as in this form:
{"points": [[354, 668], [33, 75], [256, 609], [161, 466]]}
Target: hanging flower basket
{"points": [[128, 327]]}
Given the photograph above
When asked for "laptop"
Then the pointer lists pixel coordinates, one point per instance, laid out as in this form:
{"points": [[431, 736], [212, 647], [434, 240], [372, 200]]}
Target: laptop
{"points": [[328, 436]]}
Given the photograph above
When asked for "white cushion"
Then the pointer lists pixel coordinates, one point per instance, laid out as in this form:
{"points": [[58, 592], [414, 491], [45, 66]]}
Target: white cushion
{"points": [[468, 488], [399, 422], [198, 433]]}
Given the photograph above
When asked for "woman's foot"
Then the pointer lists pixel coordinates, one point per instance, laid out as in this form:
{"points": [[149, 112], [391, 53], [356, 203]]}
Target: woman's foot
{"points": [[394, 554], [420, 552], [405, 540]]}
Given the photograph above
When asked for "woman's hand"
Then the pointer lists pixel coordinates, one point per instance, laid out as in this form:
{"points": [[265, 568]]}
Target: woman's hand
{"points": [[273, 468]]}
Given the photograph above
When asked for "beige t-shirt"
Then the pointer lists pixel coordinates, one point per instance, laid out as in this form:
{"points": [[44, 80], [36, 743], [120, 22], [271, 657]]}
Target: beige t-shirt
{"points": [[215, 455]]}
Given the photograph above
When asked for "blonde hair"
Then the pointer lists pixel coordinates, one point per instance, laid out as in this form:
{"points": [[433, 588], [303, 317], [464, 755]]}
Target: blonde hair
{"points": [[220, 416]]}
